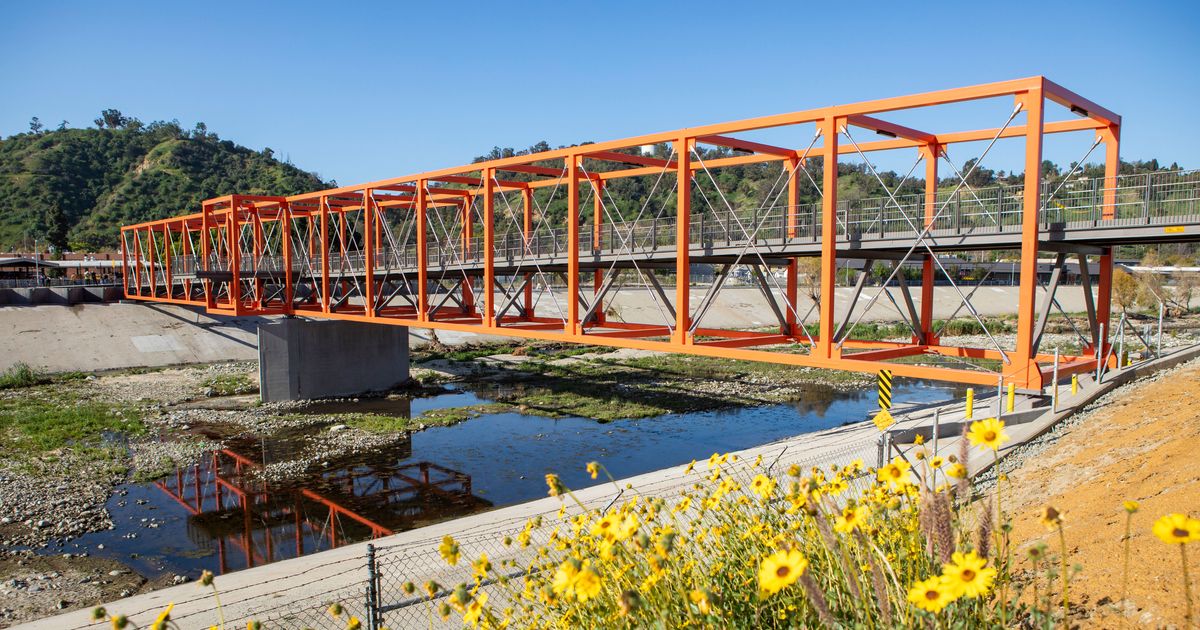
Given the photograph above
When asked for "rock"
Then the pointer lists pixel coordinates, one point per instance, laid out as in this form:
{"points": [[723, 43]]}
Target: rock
{"points": [[116, 572], [180, 579], [62, 603], [338, 427], [43, 523]]}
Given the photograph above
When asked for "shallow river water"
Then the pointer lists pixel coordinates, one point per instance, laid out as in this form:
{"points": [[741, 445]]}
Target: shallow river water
{"points": [[218, 516]]}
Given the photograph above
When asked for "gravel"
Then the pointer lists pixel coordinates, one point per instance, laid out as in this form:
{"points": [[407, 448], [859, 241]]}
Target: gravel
{"points": [[64, 498], [1017, 457]]}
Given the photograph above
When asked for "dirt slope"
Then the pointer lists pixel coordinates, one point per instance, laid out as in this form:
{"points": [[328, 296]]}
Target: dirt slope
{"points": [[1144, 446]]}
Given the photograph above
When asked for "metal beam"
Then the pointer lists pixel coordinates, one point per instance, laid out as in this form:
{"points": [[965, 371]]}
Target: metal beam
{"points": [[1048, 301]]}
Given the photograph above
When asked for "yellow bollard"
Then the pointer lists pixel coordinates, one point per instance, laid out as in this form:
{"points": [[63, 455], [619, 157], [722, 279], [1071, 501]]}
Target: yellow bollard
{"points": [[1074, 384], [1012, 396], [970, 403]]}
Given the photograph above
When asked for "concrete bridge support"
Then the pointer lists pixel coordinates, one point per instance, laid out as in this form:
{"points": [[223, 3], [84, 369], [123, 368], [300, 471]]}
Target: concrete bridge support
{"points": [[301, 359]]}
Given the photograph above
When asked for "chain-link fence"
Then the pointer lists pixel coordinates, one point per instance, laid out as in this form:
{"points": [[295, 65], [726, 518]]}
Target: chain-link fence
{"points": [[401, 572], [388, 585]]}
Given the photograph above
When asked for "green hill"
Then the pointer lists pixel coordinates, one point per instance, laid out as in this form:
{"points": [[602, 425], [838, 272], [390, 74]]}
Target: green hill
{"points": [[75, 187]]}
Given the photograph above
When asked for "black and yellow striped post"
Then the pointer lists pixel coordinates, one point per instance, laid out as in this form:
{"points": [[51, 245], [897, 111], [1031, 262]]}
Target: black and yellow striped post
{"points": [[884, 381], [884, 418]]}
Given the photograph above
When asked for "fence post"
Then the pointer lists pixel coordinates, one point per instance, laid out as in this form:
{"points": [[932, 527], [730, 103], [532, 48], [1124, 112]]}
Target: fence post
{"points": [[372, 603], [1121, 349], [1158, 350], [937, 428], [1054, 395]]}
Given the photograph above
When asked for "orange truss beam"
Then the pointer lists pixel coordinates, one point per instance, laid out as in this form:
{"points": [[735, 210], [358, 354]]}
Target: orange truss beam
{"points": [[448, 249]]}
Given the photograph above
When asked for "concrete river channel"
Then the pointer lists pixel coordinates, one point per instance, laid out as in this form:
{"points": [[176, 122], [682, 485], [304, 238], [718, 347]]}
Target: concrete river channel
{"points": [[217, 515]]}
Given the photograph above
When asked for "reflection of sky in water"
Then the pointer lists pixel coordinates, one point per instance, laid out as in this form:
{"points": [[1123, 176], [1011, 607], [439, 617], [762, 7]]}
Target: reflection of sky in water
{"points": [[505, 455], [498, 450]]}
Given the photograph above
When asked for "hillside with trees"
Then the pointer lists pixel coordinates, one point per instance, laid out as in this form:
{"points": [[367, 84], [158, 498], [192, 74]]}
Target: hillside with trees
{"points": [[73, 188]]}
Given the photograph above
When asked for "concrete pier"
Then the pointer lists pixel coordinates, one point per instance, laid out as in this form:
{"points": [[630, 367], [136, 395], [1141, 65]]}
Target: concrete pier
{"points": [[301, 358]]}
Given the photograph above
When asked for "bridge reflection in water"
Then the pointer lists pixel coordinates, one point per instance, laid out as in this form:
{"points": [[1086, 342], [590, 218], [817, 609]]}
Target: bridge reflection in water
{"points": [[253, 522]]}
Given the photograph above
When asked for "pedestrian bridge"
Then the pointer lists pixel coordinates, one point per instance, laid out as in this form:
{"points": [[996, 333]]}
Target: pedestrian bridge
{"points": [[538, 245]]}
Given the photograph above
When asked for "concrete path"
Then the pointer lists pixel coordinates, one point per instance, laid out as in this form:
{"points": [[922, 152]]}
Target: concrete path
{"points": [[296, 592]]}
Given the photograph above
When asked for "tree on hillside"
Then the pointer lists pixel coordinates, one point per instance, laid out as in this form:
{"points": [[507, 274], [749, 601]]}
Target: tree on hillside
{"points": [[35, 125], [56, 227], [980, 177], [112, 119], [62, 126]]}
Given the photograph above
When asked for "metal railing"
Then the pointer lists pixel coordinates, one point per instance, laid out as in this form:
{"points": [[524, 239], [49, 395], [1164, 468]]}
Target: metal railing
{"points": [[1143, 199]]}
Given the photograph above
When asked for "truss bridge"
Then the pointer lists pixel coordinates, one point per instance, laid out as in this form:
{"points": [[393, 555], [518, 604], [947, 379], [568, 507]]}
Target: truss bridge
{"points": [[543, 245]]}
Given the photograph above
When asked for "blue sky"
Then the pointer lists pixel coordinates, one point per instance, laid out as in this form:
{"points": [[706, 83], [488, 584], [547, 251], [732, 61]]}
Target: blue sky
{"points": [[362, 91]]}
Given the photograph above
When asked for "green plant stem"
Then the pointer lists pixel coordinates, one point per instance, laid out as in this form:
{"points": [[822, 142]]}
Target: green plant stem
{"points": [[1001, 552], [220, 611], [1125, 571], [1062, 539], [1187, 586]]}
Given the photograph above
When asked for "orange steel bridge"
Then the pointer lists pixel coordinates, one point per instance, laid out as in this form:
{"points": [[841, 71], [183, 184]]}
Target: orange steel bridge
{"points": [[537, 245]]}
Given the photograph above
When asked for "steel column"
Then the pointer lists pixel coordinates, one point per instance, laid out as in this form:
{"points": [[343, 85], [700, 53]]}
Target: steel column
{"points": [[1023, 369], [825, 341]]}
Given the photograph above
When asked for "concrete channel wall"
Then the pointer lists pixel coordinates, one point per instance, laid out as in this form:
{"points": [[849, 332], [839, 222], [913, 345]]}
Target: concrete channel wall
{"points": [[61, 296]]}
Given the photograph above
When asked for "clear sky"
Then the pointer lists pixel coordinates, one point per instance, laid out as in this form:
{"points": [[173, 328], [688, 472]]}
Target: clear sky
{"points": [[359, 91]]}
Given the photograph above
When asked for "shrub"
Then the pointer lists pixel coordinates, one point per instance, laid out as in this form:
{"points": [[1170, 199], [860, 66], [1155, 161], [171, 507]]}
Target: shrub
{"points": [[20, 375]]}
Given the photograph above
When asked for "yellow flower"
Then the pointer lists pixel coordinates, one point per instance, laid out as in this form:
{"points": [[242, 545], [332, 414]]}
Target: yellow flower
{"points": [[932, 595], [762, 486], [968, 574], [702, 601], [1131, 506], [593, 469], [896, 473], [555, 485], [919, 439], [850, 518], [449, 550], [682, 506], [628, 526], [780, 570], [988, 432], [1177, 529], [587, 584], [957, 471], [717, 460], [689, 467], [475, 609], [1051, 518], [936, 461], [482, 566], [564, 577], [160, 622], [353, 623]]}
